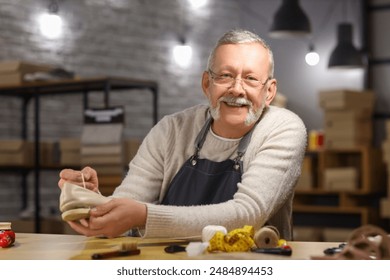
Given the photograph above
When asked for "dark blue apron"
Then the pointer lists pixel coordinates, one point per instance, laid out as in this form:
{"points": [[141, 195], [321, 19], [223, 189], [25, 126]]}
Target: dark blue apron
{"points": [[201, 181]]}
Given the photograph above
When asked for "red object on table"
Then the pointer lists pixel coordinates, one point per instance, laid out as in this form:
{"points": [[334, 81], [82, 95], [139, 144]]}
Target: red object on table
{"points": [[7, 235]]}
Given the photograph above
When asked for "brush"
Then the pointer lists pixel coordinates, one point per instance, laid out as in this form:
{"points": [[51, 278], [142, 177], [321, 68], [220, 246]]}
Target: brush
{"points": [[126, 249]]}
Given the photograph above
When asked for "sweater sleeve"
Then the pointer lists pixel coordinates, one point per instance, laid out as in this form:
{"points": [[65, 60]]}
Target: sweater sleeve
{"points": [[272, 165]]}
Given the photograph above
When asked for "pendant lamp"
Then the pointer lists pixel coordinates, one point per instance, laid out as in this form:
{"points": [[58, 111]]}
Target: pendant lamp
{"points": [[345, 55], [290, 21]]}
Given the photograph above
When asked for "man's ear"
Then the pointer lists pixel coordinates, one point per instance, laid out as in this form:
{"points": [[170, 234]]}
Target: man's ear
{"points": [[206, 83], [271, 92]]}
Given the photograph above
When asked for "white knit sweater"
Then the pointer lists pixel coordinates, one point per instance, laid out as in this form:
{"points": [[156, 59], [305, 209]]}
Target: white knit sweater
{"points": [[272, 164]]}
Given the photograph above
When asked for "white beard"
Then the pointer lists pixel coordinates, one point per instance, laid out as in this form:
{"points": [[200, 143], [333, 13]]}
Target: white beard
{"points": [[253, 115]]}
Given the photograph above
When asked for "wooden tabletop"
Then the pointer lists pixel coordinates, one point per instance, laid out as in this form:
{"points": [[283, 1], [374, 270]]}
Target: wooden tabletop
{"points": [[32, 246]]}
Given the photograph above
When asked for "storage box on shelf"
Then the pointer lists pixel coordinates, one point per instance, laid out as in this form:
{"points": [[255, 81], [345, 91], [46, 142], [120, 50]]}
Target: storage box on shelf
{"points": [[13, 72], [15, 152], [350, 171], [20, 153], [347, 118], [365, 171], [70, 152]]}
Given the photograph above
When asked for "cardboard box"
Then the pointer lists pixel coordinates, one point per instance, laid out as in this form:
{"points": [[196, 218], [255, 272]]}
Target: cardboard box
{"points": [[341, 179], [347, 115], [349, 130], [70, 152], [67, 144], [102, 160], [13, 72], [385, 207], [346, 100], [108, 149], [16, 153], [332, 143], [50, 153]]}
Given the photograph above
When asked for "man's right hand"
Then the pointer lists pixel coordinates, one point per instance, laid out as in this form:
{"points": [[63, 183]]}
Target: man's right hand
{"points": [[76, 177]]}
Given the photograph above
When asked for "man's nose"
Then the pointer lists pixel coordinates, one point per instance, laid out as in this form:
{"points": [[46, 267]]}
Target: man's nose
{"points": [[238, 86]]}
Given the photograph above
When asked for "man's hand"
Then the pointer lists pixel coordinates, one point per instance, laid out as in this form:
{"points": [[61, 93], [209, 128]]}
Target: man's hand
{"points": [[112, 218], [87, 176]]}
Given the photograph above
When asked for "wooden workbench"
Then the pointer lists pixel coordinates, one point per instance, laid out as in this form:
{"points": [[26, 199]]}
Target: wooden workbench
{"points": [[32, 246]]}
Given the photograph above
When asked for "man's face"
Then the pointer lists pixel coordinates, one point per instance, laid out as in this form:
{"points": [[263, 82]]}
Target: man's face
{"points": [[241, 103]]}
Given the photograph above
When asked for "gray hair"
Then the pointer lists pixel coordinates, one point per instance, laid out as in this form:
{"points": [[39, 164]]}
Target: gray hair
{"points": [[239, 36]]}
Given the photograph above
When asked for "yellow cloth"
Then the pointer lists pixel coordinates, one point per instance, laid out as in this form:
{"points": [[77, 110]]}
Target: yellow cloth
{"points": [[237, 240]]}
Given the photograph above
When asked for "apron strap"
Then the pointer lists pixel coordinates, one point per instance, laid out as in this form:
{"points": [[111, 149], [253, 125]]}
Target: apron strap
{"points": [[244, 142], [201, 138], [199, 141]]}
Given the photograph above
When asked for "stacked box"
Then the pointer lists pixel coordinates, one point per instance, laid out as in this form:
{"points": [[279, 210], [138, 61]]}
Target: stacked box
{"points": [[102, 149], [341, 179], [14, 72], [16, 152], [50, 153], [70, 152], [348, 121], [385, 202]]}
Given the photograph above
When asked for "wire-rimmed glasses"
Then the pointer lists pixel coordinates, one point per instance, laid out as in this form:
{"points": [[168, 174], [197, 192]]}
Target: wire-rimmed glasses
{"points": [[227, 80]]}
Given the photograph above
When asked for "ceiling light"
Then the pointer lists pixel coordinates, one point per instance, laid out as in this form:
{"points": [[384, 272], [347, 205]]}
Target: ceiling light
{"points": [[182, 54], [196, 4], [50, 23], [312, 58], [290, 21], [345, 55]]}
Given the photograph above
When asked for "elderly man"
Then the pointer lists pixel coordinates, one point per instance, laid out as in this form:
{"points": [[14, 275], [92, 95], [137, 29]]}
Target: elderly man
{"points": [[233, 162]]}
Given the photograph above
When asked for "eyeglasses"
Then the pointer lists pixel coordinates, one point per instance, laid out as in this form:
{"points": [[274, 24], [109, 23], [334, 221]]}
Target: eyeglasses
{"points": [[227, 80]]}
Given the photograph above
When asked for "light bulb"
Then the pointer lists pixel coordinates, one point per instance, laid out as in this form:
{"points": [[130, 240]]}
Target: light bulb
{"points": [[182, 55], [50, 25], [197, 3], [312, 58]]}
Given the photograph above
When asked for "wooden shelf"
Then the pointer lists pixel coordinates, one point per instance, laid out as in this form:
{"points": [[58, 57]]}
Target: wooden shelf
{"points": [[315, 203]]}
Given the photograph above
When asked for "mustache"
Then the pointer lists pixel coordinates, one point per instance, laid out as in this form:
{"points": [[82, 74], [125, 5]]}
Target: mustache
{"points": [[235, 100]]}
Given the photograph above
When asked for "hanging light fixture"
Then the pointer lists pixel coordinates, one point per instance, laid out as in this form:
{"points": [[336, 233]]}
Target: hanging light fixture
{"points": [[312, 58], [290, 21], [182, 53], [51, 23], [345, 55]]}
